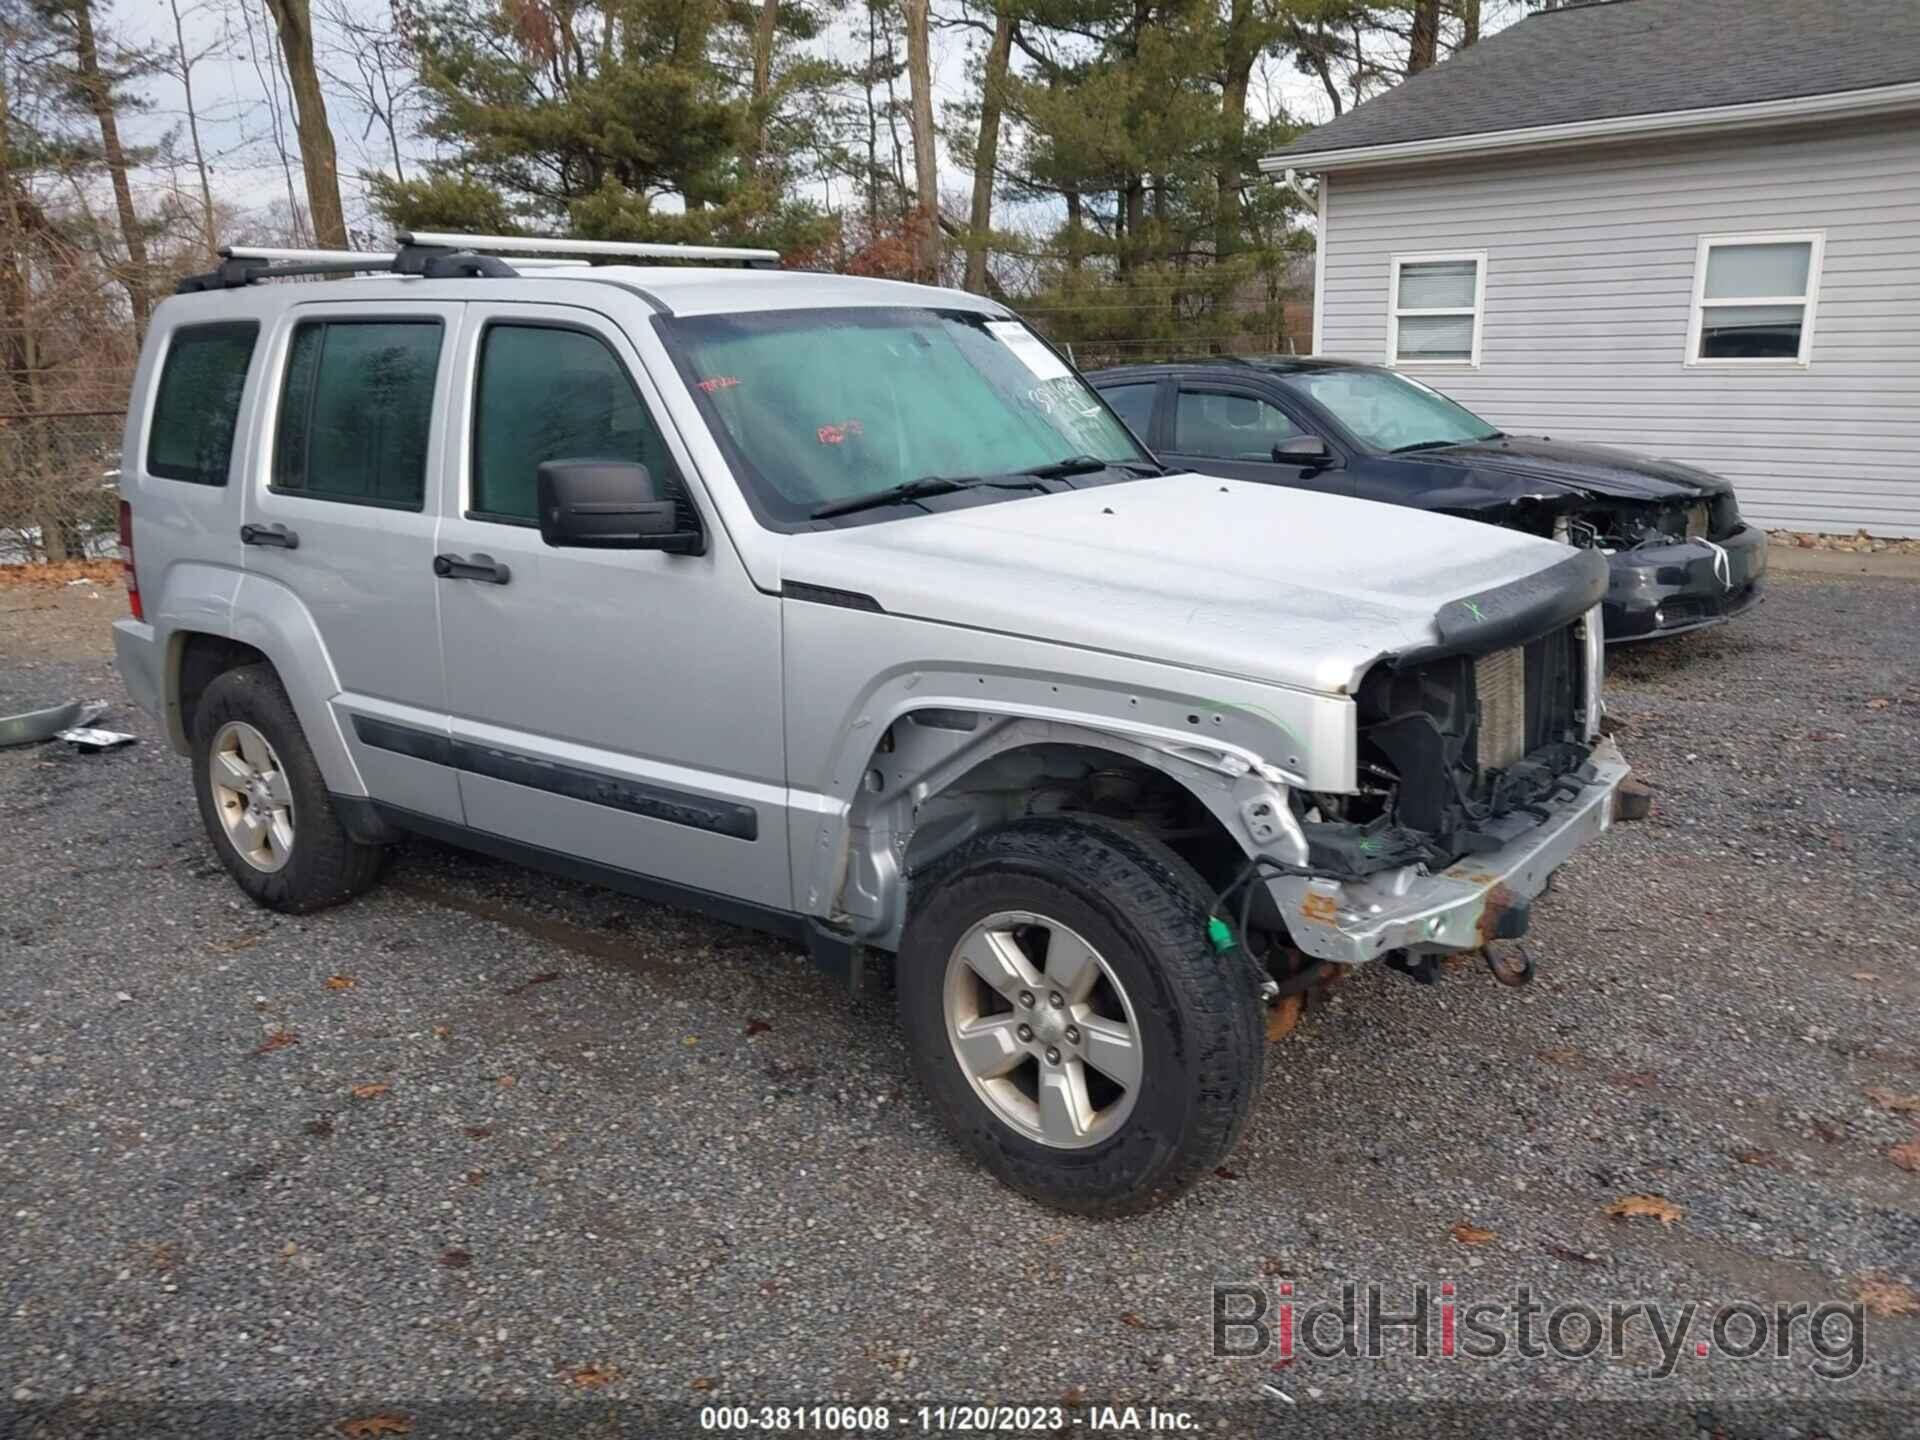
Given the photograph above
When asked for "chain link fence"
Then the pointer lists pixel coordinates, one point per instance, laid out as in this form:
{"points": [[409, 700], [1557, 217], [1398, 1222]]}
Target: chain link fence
{"points": [[59, 481]]}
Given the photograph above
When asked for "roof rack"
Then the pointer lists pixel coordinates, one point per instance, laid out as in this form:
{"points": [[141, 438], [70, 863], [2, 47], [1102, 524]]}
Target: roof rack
{"points": [[435, 255]]}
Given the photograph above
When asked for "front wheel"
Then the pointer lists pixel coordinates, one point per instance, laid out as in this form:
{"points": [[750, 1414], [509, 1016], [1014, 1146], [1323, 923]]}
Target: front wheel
{"points": [[1069, 1018]]}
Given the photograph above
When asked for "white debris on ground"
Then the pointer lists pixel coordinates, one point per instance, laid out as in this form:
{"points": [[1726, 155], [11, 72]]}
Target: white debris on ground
{"points": [[1860, 543]]}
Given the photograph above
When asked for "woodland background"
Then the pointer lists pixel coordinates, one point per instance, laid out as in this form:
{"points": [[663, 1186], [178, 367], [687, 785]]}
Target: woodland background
{"points": [[1092, 163]]}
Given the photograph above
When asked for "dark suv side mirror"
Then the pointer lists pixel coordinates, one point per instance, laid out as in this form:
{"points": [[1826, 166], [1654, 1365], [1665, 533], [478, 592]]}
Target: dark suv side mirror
{"points": [[1303, 450], [609, 505]]}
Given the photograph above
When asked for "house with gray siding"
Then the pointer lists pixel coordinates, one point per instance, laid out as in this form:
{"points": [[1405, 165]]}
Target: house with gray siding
{"points": [[1686, 227]]}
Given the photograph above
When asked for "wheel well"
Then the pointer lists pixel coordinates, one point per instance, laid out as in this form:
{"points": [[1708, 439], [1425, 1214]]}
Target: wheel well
{"points": [[1068, 779], [203, 659]]}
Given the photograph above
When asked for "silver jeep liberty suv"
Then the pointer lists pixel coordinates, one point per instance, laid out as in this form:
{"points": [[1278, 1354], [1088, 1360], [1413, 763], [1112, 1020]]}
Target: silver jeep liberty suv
{"points": [[844, 609]]}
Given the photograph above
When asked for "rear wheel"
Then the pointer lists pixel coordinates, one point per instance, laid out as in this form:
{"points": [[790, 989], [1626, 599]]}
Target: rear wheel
{"points": [[1071, 1022], [264, 803]]}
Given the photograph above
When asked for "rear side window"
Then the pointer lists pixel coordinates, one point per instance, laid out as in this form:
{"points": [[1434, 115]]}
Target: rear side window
{"points": [[547, 393], [356, 411], [1133, 404], [197, 407]]}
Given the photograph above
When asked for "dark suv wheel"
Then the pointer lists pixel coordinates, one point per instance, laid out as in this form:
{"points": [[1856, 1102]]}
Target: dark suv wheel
{"points": [[1072, 1023], [264, 803]]}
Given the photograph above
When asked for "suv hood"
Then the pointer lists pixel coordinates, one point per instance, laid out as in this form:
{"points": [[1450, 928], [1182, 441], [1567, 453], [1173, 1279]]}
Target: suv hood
{"points": [[1287, 586], [1524, 465]]}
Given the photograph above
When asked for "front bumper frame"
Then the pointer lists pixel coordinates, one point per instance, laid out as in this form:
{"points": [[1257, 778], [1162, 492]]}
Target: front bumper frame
{"points": [[1461, 907], [1662, 590]]}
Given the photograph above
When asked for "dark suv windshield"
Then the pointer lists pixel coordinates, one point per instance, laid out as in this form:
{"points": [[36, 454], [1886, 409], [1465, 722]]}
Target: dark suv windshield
{"points": [[819, 406], [1388, 411]]}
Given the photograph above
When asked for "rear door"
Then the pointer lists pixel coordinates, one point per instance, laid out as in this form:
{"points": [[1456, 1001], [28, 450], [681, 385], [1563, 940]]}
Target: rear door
{"points": [[1221, 428], [344, 515], [621, 707]]}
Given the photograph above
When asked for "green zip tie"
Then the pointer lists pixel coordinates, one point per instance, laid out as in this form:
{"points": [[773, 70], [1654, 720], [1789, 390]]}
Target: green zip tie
{"points": [[1220, 933]]}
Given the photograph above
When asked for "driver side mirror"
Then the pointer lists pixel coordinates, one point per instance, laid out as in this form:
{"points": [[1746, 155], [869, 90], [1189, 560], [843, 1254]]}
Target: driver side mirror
{"points": [[1303, 450], [609, 505]]}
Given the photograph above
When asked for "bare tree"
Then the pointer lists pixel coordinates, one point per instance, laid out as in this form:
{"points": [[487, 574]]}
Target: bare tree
{"points": [[270, 84], [926, 158], [184, 63], [98, 87], [380, 82], [294, 20], [1423, 42]]}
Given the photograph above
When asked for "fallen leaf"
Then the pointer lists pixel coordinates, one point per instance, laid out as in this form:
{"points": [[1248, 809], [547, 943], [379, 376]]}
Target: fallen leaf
{"points": [[1906, 1156], [441, 1032], [1879, 702], [456, 1259], [1470, 1234], [1572, 1059], [704, 1382], [478, 1132], [1828, 1131], [1284, 1018], [546, 978], [1074, 1395], [1885, 1298], [339, 982], [1654, 1207], [371, 1091], [1225, 1174], [474, 1177], [231, 947], [278, 1040], [1866, 977], [593, 1377], [1569, 1254], [1134, 1322], [372, 1425], [758, 1027], [1888, 1100], [166, 1255], [1759, 1157], [1635, 1079], [691, 1040], [506, 1082]]}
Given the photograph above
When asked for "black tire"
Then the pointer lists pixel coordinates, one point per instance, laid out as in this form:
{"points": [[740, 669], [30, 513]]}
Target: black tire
{"points": [[325, 865], [1197, 1011]]}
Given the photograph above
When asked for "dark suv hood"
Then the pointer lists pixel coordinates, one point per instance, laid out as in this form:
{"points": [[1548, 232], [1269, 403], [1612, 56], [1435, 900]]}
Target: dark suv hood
{"points": [[1521, 465]]}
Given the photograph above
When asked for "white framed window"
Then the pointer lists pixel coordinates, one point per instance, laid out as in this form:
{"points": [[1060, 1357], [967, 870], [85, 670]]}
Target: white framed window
{"points": [[1754, 298], [1434, 307]]}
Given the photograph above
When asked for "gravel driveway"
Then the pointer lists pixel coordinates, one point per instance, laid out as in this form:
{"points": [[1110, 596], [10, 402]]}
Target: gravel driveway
{"points": [[487, 1139]]}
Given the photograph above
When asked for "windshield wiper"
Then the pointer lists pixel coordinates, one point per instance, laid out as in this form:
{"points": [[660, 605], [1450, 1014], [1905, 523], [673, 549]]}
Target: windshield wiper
{"points": [[925, 486], [1442, 444], [1086, 465]]}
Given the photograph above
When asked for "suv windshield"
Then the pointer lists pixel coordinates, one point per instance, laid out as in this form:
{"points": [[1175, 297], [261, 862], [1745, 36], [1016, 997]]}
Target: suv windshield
{"points": [[821, 406], [1390, 411]]}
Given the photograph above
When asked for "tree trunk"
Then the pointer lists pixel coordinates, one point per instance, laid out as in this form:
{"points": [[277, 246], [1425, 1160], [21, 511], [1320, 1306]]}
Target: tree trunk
{"points": [[1423, 45], [1074, 223], [926, 157], [1469, 23], [763, 34], [294, 19], [100, 100], [986, 155], [1233, 126], [193, 129]]}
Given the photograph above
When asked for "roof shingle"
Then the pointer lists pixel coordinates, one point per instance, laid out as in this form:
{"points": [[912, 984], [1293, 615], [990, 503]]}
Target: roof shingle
{"points": [[1637, 57]]}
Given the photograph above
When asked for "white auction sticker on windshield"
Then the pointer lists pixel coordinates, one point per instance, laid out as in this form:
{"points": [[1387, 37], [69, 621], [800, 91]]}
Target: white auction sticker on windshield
{"points": [[1044, 364]]}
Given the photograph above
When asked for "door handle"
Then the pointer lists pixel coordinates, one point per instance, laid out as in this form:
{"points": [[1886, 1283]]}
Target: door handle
{"points": [[276, 535], [471, 567]]}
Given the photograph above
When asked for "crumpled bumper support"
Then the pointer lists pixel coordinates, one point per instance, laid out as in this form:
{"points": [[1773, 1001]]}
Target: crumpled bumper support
{"points": [[1476, 899]]}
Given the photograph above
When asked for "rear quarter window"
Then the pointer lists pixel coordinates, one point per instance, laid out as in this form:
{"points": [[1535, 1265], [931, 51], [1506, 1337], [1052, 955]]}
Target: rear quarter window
{"points": [[196, 408]]}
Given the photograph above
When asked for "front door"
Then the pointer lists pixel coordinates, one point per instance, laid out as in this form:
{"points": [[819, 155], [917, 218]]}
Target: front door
{"points": [[621, 707], [342, 519], [1222, 429]]}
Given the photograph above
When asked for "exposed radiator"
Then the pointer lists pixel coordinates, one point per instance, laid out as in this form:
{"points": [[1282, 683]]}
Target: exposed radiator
{"points": [[1500, 682]]}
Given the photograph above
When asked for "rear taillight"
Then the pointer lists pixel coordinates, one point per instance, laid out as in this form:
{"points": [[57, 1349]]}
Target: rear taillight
{"points": [[127, 569]]}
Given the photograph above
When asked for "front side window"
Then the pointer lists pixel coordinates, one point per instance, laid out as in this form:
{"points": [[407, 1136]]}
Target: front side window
{"points": [[1434, 309], [1228, 427], [547, 393], [825, 405], [1754, 298], [1390, 412], [196, 407], [1134, 405], [356, 411]]}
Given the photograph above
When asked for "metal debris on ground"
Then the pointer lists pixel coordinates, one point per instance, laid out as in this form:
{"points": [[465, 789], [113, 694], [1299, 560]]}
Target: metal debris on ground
{"points": [[92, 741], [30, 727]]}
